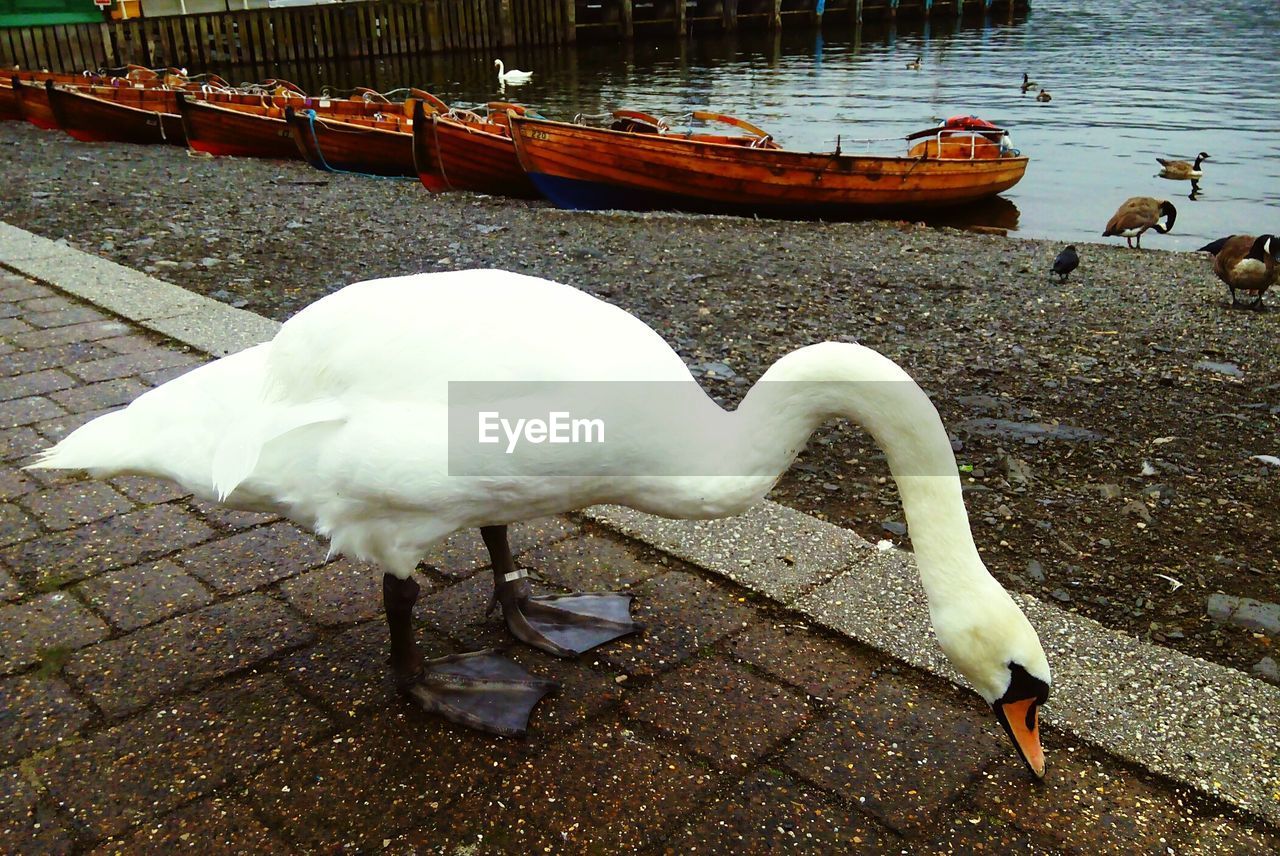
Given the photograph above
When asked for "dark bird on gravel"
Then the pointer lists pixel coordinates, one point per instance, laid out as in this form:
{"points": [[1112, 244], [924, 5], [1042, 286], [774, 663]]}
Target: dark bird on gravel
{"points": [[1138, 214], [342, 423], [1067, 261], [1027, 83], [1245, 263], [1182, 169]]}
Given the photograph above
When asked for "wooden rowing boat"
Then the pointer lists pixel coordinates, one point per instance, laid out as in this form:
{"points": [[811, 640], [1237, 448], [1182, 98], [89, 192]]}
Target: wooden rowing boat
{"points": [[19, 101], [381, 144], [239, 130], [461, 150], [224, 123], [583, 167], [97, 114]]}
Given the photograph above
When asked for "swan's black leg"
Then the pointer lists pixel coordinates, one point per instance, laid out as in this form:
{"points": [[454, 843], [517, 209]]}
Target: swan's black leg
{"points": [[479, 690], [564, 625]]}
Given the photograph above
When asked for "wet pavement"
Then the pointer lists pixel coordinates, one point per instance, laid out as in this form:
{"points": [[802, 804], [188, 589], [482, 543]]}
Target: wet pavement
{"points": [[178, 677]]}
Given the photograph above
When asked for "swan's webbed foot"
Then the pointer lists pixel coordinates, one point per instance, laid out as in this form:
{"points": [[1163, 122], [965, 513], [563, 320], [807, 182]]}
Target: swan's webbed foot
{"points": [[565, 625], [480, 690]]}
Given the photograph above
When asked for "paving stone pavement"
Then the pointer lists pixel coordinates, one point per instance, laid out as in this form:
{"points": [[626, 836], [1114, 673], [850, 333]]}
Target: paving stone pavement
{"points": [[178, 678]]}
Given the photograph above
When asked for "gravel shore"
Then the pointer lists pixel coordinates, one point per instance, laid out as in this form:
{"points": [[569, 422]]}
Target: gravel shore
{"points": [[1107, 425]]}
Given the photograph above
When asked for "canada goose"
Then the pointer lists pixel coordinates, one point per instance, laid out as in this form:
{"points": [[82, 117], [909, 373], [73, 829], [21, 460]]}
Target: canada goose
{"points": [[1027, 83], [1182, 169], [1065, 263], [1138, 214], [343, 423], [915, 64], [1245, 263], [515, 75], [1044, 95]]}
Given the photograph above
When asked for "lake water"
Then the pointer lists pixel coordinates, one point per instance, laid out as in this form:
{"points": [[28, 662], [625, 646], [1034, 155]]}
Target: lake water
{"points": [[1131, 80]]}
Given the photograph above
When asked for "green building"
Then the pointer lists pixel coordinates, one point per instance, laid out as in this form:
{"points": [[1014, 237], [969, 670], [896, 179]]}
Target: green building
{"points": [[34, 13]]}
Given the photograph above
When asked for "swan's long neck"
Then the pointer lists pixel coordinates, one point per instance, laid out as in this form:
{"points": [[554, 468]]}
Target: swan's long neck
{"points": [[820, 382]]}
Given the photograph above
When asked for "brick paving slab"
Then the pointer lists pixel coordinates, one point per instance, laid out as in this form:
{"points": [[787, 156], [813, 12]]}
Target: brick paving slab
{"points": [[720, 711], [604, 790], [899, 751], [167, 757], [36, 712], [64, 557], [230, 518], [46, 626], [790, 652], [253, 559], [634, 753], [588, 563], [90, 331], [51, 356], [348, 672], [14, 483], [125, 674], [35, 383], [27, 411], [341, 592], [771, 813], [16, 525], [148, 490], [142, 594], [9, 588], [75, 504], [62, 317], [98, 396], [375, 778], [1083, 804], [211, 825], [458, 611], [28, 824], [682, 615], [19, 444]]}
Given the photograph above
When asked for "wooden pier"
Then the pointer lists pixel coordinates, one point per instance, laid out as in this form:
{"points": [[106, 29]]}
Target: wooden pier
{"points": [[376, 28]]}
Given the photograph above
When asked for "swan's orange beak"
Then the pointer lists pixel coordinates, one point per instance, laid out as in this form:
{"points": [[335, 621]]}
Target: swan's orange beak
{"points": [[1021, 721]]}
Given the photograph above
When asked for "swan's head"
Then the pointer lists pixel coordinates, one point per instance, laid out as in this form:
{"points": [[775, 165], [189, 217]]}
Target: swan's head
{"points": [[992, 644]]}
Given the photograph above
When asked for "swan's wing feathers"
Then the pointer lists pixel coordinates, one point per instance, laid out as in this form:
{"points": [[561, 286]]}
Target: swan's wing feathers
{"points": [[237, 454]]}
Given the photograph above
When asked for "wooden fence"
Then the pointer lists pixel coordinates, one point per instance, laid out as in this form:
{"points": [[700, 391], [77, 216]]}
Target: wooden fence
{"points": [[355, 30]]}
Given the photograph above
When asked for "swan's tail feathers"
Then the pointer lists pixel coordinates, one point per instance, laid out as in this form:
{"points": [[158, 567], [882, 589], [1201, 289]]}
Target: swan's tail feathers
{"points": [[101, 446], [238, 453]]}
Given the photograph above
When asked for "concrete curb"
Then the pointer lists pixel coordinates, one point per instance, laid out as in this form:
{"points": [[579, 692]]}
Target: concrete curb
{"points": [[1195, 722]]}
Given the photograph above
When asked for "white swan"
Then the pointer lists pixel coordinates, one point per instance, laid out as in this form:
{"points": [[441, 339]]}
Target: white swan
{"points": [[347, 422], [515, 75]]}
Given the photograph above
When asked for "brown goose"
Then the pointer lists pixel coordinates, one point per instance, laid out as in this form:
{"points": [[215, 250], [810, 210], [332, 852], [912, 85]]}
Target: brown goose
{"points": [[1044, 95], [1245, 263], [1137, 215], [1182, 169], [1027, 83]]}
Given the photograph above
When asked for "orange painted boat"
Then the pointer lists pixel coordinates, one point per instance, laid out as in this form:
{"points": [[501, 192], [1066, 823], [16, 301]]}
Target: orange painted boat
{"points": [[222, 123], [583, 167], [39, 113], [461, 150], [381, 144], [33, 103], [117, 114]]}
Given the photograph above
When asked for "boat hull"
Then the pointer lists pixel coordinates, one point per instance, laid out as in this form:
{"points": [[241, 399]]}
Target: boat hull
{"points": [[455, 155], [33, 102], [337, 146], [593, 168], [224, 131], [118, 115]]}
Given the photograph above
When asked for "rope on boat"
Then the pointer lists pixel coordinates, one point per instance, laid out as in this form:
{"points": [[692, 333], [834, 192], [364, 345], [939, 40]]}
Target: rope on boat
{"points": [[324, 164]]}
